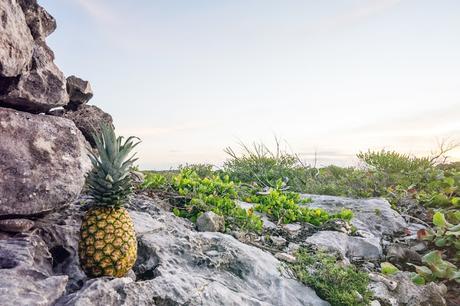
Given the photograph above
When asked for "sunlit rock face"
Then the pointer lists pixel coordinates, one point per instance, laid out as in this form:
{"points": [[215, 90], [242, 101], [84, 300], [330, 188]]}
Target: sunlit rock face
{"points": [[29, 79], [44, 161]]}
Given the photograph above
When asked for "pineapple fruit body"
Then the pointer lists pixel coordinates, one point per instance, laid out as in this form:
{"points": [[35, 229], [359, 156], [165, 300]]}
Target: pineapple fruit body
{"points": [[108, 245]]}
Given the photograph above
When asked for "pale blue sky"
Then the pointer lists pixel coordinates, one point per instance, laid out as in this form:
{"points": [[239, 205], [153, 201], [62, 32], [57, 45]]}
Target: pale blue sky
{"points": [[335, 77]]}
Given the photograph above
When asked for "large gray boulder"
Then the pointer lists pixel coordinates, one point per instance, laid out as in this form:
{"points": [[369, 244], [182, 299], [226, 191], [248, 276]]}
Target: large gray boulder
{"points": [[368, 248], [40, 22], [88, 119], [26, 274], [372, 216], [179, 266], [16, 42], [44, 162], [29, 79], [39, 89]]}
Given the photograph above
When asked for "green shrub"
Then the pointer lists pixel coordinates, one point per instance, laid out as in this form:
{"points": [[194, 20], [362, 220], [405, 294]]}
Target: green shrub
{"points": [[334, 283], [258, 164], [445, 235], [203, 170], [283, 207], [393, 162], [153, 181], [213, 194]]}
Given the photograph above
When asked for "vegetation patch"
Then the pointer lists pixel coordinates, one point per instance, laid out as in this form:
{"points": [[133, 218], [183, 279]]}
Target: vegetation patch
{"points": [[339, 285], [283, 207]]}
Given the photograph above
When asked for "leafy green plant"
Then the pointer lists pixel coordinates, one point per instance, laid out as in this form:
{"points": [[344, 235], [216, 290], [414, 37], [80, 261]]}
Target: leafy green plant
{"points": [[153, 181], [212, 194], [283, 207], [445, 235], [392, 162], [203, 170], [388, 268], [435, 268], [333, 282]]}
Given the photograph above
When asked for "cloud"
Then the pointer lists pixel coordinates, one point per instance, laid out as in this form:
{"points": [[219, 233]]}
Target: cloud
{"points": [[354, 15], [434, 122], [98, 9]]}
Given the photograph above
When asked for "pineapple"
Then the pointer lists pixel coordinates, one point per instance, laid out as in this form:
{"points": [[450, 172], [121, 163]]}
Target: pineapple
{"points": [[108, 245]]}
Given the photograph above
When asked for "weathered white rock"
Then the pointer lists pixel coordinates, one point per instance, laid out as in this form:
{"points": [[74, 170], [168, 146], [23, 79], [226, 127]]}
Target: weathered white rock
{"points": [[26, 276], [44, 161], [29, 79], [210, 222], [407, 293], [39, 89], [180, 266], [370, 215], [347, 246], [286, 257], [278, 241], [16, 42]]}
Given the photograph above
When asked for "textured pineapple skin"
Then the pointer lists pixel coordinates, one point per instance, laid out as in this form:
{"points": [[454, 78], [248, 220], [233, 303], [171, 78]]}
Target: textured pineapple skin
{"points": [[108, 245]]}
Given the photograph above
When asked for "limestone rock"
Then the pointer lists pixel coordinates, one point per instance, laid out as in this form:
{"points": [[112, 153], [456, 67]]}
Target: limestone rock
{"points": [[286, 257], [26, 276], [16, 42], [210, 222], [29, 79], [39, 89], [44, 161], [407, 293], [179, 266], [88, 119], [374, 216], [16, 225], [39, 21], [79, 91], [347, 246]]}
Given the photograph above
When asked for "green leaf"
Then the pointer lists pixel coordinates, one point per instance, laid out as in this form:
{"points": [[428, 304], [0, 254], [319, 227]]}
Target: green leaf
{"points": [[432, 258], [440, 242], [388, 268], [418, 279], [423, 271], [439, 220]]}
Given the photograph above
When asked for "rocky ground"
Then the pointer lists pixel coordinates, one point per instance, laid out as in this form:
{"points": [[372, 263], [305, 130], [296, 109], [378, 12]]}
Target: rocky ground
{"points": [[180, 265]]}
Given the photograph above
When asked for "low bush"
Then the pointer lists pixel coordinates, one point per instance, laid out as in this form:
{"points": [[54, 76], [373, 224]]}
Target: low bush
{"points": [[262, 166], [283, 207], [213, 194], [339, 285]]}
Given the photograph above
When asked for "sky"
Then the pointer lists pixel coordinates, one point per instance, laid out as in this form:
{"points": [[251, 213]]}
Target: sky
{"points": [[327, 78]]}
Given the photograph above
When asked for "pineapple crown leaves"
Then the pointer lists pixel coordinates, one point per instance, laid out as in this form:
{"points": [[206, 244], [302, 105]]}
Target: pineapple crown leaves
{"points": [[109, 182]]}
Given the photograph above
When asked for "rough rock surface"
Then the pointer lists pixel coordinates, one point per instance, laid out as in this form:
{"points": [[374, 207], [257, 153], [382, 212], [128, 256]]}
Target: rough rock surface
{"points": [[39, 21], [26, 276], [16, 42], [88, 119], [79, 91], [29, 80], [176, 266], [347, 246], [44, 161], [374, 216], [407, 293], [210, 222], [16, 225]]}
